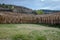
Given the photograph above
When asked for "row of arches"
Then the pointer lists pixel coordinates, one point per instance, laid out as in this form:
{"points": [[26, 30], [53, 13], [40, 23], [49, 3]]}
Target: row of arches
{"points": [[49, 19], [28, 18]]}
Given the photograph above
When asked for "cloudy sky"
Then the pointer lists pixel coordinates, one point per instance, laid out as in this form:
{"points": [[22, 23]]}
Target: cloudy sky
{"points": [[35, 4]]}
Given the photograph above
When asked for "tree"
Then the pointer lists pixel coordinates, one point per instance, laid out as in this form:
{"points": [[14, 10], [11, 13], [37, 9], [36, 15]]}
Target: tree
{"points": [[3, 5], [39, 12]]}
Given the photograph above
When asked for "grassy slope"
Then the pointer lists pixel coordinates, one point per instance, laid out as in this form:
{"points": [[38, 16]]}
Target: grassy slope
{"points": [[28, 32]]}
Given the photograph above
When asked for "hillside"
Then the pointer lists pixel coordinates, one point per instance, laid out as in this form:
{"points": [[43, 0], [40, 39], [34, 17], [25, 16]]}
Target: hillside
{"points": [[16, 9], [25, 10]]}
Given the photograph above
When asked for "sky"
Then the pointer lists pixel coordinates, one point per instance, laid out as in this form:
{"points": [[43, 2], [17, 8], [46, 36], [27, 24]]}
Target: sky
{"points": [[35, 4]]}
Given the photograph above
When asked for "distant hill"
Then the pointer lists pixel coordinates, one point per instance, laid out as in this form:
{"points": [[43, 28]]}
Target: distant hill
{"points": [[49, 11]]}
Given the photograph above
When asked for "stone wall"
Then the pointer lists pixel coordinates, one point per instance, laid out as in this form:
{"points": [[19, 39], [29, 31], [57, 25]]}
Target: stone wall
{"points": [[29, 18]]}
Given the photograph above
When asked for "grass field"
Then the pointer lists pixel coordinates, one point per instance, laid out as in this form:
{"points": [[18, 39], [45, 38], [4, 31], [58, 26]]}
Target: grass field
{"points": [[28, 32]]}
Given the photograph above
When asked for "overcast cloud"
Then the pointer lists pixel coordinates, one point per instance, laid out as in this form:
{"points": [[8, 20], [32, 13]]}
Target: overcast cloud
{"points": [[35, 4]]}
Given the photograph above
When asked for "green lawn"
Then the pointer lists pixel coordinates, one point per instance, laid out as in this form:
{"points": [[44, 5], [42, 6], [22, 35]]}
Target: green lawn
{"points": [[28, 32]]}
